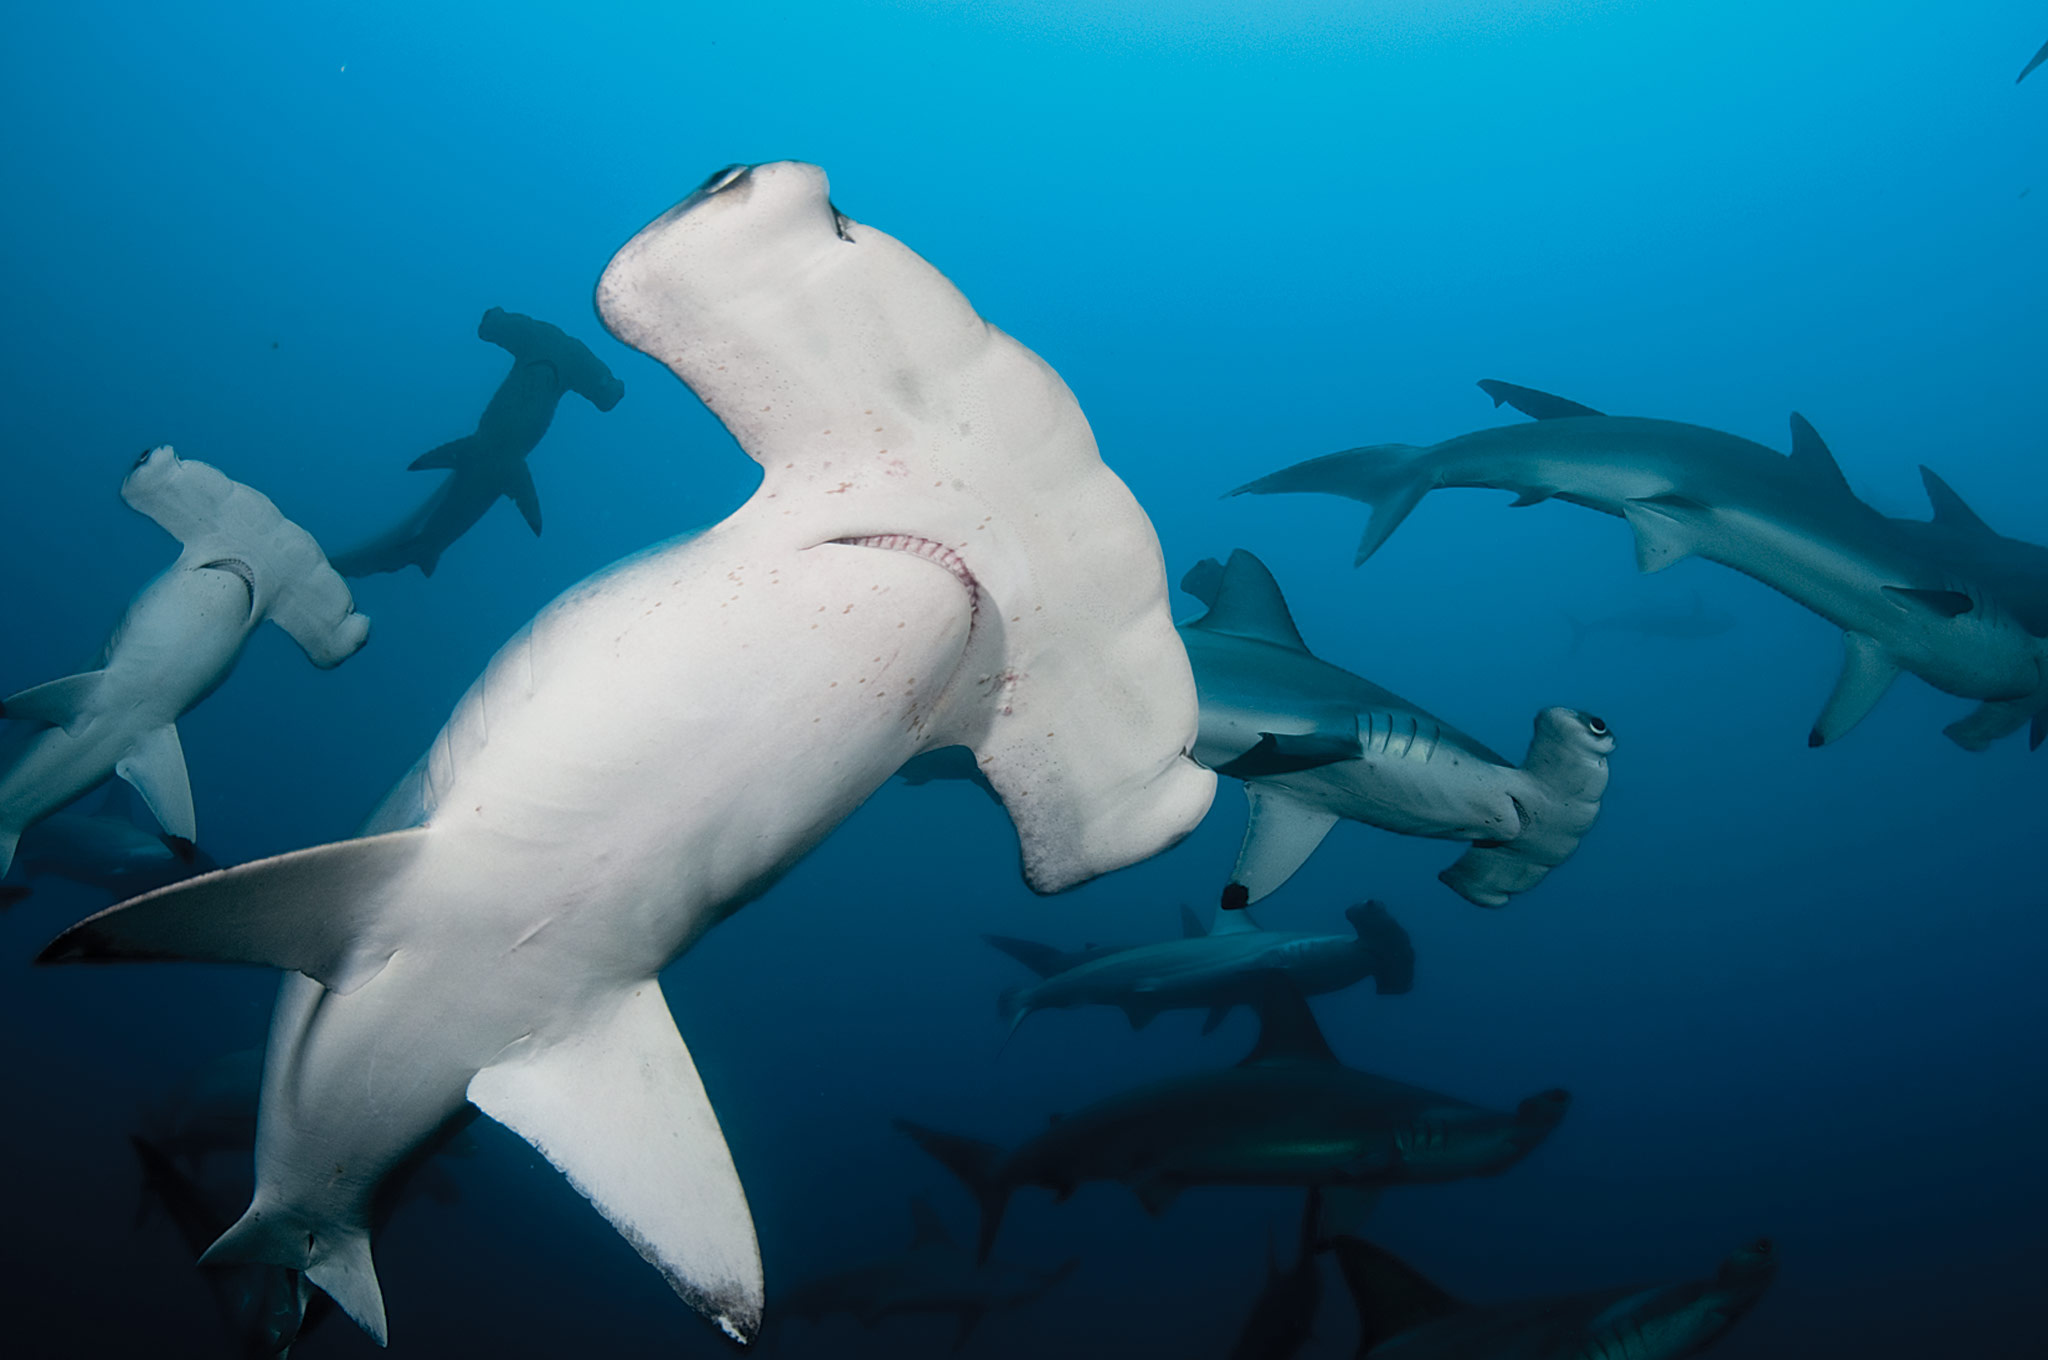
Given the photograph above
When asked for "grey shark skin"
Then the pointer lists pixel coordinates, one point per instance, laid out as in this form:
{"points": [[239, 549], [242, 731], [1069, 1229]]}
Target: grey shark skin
{"points": [[1288, 1115], [1403, 1316], [1230, 964], [242, 562], [1315, 743], [105, 849], [1789, 522], [935, 1275], [1690, 625], [936, 555], [547, 364], [1283, 1316]]}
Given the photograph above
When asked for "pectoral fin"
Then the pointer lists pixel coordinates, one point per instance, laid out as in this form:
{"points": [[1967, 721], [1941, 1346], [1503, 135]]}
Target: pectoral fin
{"points": [[617, 1106], [59, 703], [519, 489], [318, 911], [1282, 833], [447, 456], [155, 765], [1866, 674], [1277, 753], [1665, 529]]}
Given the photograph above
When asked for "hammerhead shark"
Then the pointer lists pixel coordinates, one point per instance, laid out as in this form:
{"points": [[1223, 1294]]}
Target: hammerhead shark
{"points": [[1314, 743], [935, 1275], [103, 848], [242, 563], [1288, 1115], [1789, 522], [1225, 965], [547, 363], [935, 555], [1402, 1316]]}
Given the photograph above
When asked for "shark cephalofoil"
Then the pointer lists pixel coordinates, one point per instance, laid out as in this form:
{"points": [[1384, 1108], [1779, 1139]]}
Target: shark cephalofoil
{"points": [[1789, 522], [1289, 1115]]}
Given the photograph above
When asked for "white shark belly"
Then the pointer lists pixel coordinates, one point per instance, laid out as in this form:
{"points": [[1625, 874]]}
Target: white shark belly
{"points": [[605, 794], [1447, 794], [1978, 654], [176, 643]]}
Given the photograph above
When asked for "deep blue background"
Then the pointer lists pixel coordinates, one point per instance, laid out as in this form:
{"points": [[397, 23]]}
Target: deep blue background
{"points": [[1793, 992]]}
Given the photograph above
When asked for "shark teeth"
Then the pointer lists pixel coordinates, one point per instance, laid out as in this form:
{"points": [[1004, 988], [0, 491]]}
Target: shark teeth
{"points": [[931, 550]]}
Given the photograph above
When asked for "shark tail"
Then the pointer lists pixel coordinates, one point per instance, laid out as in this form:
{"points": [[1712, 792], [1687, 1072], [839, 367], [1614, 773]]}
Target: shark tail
{"points": [[335, 1257], [1014, 1005], [1567, 772], [1392, 952], [978, 1165], [1390, 478]]}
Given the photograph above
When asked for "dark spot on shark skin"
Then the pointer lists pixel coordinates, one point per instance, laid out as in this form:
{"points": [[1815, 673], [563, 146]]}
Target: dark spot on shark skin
{"points": [[184, 849], [1236, 897]]}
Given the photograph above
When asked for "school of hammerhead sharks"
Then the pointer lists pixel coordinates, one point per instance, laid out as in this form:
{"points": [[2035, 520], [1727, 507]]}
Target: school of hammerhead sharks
{"points": [[937, 577]]}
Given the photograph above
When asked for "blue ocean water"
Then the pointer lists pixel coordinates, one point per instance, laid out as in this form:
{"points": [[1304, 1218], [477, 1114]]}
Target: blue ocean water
{"points": [[1792, 991]]}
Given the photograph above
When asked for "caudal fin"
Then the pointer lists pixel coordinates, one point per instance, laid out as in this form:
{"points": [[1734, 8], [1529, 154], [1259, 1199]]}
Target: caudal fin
{"points": [[978, 1165], [1387, 944], [1567, 775], [1388, 477]]}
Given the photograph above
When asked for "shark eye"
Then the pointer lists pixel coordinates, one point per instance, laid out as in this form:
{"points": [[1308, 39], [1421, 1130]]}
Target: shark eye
{"points": [[840, 223], [143, 457], [1595, 726], [723, 179]]}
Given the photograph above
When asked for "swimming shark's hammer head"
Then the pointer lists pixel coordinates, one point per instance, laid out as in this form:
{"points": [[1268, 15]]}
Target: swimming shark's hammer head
{"points": [[886, 414]]}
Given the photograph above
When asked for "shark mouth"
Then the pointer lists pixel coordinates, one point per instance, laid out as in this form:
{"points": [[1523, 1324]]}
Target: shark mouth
{"points": [[931, 550]]}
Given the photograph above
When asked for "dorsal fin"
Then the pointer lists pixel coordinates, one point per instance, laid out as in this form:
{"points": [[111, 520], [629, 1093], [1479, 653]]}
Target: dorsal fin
{"points": [[1204, 581], [927, 1229], [1191, 927], [1950, 511], [1249, 604], [1811, 459], [1392, 1296], [1532, 403], [1288, 1032]]}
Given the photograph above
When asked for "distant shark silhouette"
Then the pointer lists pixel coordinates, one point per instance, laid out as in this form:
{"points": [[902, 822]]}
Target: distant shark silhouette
{"points": [[936, 555], [1288, 1115], [1789, 522], [1314, 743], [1402, 1316], [263, 1309], [546, 364], [1228, 964], [1283, 1316], [242, 562], [1693, 624], [936, 1275], [104, 849], [2028, 69]]}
